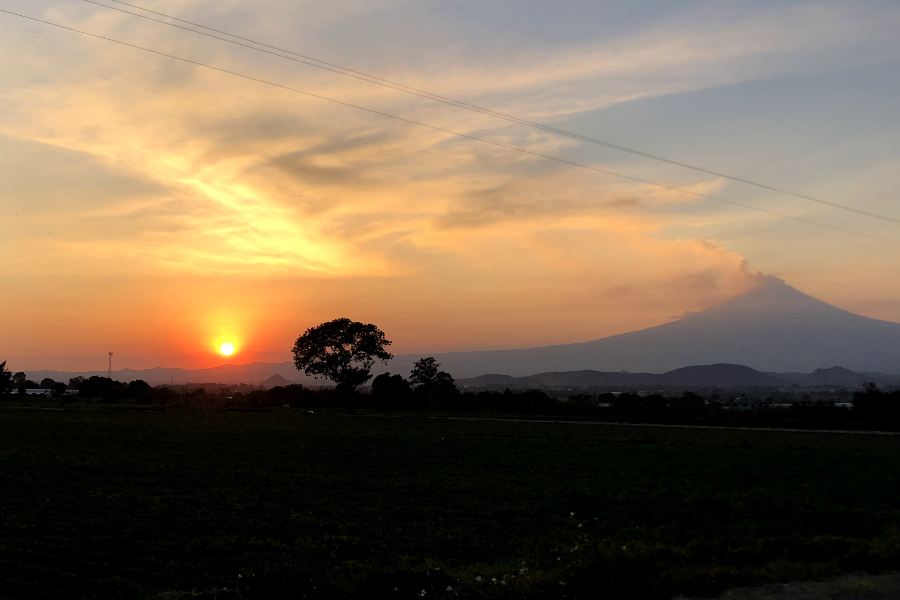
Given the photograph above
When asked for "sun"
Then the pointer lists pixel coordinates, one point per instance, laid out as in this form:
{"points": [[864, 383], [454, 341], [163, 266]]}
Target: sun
{"points": [[226, 348]]}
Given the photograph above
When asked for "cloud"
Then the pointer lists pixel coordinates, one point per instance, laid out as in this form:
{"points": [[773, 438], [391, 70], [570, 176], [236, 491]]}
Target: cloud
{"points": [[257, 181], [189, 174], [268, 178], [706, 46]]}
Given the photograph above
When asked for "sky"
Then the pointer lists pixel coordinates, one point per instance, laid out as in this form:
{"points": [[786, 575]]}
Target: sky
{"points": [[155, 209]]}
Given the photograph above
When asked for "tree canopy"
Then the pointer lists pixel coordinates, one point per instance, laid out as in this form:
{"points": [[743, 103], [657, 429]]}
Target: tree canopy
{"points": [[341, 350], [388, 388], [428, 378], [5, 377]]}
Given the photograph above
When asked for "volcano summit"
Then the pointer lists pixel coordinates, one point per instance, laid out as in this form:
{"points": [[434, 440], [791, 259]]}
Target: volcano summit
{"points": [[773, 327]]}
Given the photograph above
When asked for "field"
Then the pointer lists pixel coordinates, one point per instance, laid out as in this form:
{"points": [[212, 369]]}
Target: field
{"points": [[191, 504]]}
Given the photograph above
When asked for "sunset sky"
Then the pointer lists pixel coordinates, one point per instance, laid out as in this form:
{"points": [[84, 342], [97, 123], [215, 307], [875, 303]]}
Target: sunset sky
{"points": [[157, 209]]}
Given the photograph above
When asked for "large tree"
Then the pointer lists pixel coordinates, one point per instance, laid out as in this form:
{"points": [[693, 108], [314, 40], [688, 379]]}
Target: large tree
{"points": [[342, 351]]}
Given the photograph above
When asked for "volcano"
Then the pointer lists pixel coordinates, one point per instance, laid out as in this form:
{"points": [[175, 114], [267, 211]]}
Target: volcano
{"points": [[773, 327]]}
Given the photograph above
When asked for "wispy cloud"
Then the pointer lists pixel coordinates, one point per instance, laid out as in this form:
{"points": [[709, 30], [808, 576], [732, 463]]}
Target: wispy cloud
{"points": [[203, 174]]}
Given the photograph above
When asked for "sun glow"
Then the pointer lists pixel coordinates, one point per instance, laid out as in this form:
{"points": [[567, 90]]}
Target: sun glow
{"points": [[226, 348]]}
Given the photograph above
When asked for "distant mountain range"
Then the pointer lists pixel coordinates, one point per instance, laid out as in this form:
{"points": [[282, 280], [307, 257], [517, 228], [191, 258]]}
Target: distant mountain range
{"points": [[268, 375], [693, 377], [768, 336], [263, 374]]}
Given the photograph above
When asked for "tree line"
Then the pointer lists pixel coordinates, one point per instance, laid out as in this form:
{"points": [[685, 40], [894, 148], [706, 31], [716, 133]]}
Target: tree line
{"points": [[94, 387]]}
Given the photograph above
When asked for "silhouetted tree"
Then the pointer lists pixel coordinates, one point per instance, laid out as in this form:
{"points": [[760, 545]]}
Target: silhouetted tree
{"points": [[688, 405], [391, 389], [103, 388], [18, 381], [428, 379], [292, 394], [342, 351], [5, 378], [165, 395], [583, 401], [75, 382], [872, 403], [47, 382], [139, 390], [535, 401]]}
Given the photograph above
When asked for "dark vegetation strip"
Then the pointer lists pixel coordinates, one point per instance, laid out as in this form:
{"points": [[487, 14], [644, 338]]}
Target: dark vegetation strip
{"points": [[558, 421], [213, 504], [868, 409]]}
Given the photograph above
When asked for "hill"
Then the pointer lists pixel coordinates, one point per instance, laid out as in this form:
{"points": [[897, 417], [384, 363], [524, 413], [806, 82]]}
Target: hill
{"points": [[274, 381], [692, 377], [720, 375]]}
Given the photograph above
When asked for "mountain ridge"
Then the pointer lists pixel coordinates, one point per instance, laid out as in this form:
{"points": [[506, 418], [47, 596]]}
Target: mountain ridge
{"points": [[720, 375]]}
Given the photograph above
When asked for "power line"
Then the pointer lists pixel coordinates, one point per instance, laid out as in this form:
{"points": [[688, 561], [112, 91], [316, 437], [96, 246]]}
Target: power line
{"points": [[286, 54], [525, 151]]}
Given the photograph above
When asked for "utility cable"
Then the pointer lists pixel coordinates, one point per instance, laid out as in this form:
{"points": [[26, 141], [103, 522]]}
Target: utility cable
{"points": [[283, 53], [525, 151]]}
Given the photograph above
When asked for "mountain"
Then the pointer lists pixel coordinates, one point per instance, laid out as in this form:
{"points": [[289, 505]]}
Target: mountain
{"points": [[720, 375], [837, 377], [490, 380], [773, 327], [275, 380], [695, 377], [563, 380], [587, 378]]}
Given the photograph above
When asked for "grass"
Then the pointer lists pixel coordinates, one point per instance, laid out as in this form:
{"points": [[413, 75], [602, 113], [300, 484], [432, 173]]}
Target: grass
{"points": [[184, 504]]}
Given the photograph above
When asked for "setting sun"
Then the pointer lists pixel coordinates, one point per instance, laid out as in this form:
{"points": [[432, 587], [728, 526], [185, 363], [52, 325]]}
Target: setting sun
{"points": [[226, 349]]}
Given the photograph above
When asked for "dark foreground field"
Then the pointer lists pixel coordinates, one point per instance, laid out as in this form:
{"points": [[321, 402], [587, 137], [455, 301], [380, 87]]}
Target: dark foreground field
{"points": [[182, 504]]}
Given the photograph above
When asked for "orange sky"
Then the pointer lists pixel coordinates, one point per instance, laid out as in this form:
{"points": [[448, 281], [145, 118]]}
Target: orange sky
{"points": [[155, 209]]}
